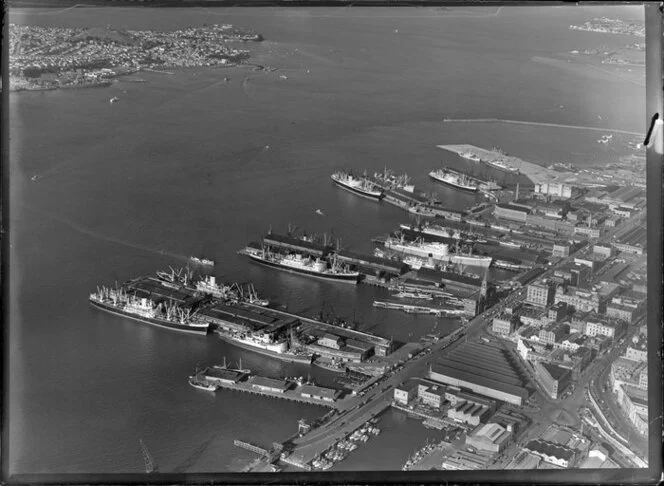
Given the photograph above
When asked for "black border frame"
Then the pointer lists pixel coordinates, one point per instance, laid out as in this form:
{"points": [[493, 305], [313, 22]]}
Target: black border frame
{"points": [[655, 203]]}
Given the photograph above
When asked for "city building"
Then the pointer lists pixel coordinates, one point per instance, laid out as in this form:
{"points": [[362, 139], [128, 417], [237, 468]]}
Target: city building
{"points": [[587, 232], [464, 460], [604, 251], [558, 312], [468, 411], [553, 378], [561, 249], [540, 294], [405, 392], [533, 316], [503, 324], [489, 437], [554, 333], [555, 189], [573, 274], [330, 341], [627, 372], [633, 241], [634, 401], [486, 370], [431, 395], [583, 300], [512, 212], [603, 325], [550, 452]]}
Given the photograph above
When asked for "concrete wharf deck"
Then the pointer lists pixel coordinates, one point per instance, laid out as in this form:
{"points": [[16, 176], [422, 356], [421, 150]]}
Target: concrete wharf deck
{"points": [[292, 394], [344, 332], [291, 243]]}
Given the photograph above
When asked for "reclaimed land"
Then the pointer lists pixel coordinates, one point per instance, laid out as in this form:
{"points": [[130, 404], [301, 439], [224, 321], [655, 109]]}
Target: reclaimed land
{"points": [[536, 173]]}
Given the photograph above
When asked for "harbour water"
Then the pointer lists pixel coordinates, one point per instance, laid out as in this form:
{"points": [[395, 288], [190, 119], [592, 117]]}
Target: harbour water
{"points": [[188, 164]]}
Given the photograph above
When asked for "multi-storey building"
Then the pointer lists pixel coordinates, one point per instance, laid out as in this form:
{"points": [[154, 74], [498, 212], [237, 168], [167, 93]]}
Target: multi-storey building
{"points": [[540, 294], [503, 324]]}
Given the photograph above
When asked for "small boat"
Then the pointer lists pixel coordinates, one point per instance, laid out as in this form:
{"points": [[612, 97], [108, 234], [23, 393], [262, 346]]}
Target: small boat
{"points": [[34, 178], [201, 385], [319, 212], [202, 261], [114, 99]]}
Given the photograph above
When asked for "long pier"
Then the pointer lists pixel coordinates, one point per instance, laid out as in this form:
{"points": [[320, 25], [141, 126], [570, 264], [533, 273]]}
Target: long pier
{"points": [[251, 447], [358, 335], [292, 395]]}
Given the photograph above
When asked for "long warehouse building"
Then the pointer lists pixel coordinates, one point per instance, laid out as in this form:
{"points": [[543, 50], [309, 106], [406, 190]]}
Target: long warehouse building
{"points": [[484, 369]]}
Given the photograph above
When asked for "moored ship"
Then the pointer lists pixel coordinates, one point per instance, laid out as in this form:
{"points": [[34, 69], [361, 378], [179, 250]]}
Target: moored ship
{"points": [[302, 264], [499, 164], [435, 251], [468, 155], [208, 285], [123, 303], [358, 185], [280, 349], [202, 384], [453, 179]]}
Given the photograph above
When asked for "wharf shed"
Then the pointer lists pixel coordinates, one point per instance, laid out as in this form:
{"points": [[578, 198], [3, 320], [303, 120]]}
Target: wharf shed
{"points": [[373, 262], [269, 384], [484, 369], [290, 243], [319, 393]]}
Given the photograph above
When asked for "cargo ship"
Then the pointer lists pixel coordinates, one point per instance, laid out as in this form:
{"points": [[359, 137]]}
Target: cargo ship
{"points": [[259, 343], [453, 179], [433, 230], [436, 251], [208, 285], [500, 165], [389, 180], [357, 185], [122, 303], [302, 264]]}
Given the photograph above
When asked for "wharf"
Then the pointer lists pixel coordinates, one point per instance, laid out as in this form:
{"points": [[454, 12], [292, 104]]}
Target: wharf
{"points": [[536, 173], [316, 442], [292, 394], [418, 309], [344, 332]]}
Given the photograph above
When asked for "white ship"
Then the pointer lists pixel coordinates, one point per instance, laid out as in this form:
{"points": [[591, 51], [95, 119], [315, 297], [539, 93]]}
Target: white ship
{"points": [[358, 185], [468, 155], [434, 230], [208, 285], [499, 164], [202, 261], [436, 251], [456, 180]]}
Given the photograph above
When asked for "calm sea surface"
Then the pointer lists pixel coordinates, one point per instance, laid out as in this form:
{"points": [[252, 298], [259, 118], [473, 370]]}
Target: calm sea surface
{"points": [[187, 164]]}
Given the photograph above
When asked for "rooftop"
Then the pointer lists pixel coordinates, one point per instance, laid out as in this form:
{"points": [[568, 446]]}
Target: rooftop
{"points": [[269, 382], [482, 365], [319, 391], [550, 449]]}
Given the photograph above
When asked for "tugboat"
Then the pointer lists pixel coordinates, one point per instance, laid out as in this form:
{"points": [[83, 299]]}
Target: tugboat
{"points": [[202, 261], [202, 385]]}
